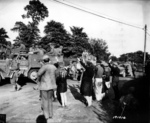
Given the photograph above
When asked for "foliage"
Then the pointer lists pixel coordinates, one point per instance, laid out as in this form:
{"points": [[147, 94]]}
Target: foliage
{"points": [[137, 57], [5, 45], [36, 10], [78, 32], [100, 49], [3, 36], [114, 58], [79, 40], [28, 34], [55, 33], [73, 44]]}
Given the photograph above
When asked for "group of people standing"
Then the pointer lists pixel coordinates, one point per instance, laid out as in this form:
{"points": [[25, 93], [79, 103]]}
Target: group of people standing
{"points": [[52, 78], [96, 78]]}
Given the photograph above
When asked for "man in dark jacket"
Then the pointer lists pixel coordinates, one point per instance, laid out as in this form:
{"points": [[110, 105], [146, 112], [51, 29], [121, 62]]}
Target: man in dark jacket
{"points": [[47, 84], [115, 79]]}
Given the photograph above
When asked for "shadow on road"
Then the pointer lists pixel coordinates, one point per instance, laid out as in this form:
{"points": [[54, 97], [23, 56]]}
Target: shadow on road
{"points": [[76, 94], [21, 81], [102, 113], [137, 107], [41, 119], [4, 81]]}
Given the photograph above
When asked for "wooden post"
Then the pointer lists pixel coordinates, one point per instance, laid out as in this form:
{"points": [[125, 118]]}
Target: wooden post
{"points": [[145, 33]]}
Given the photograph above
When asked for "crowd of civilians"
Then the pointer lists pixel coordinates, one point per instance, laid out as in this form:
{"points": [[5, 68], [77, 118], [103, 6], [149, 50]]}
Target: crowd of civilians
{"points": [[95, 76]]}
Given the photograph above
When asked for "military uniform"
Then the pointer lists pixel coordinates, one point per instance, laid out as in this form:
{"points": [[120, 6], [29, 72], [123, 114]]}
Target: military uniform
{"points": [[14, 74]]}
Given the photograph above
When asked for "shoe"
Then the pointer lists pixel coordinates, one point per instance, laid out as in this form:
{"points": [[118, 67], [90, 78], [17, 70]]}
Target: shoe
{"points": [[49, 120], [18, 89], [14, 89], [35, 88], [41, 113], [61, 106], [88, 106], [55, 100]]}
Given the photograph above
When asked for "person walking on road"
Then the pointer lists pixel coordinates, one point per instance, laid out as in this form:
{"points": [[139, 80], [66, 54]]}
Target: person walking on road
{"points": [[61, 80], [47, 84]]}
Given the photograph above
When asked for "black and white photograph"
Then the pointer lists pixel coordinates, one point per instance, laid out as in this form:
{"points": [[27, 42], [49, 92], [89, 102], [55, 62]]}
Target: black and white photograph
{"points": [[74, 61]]}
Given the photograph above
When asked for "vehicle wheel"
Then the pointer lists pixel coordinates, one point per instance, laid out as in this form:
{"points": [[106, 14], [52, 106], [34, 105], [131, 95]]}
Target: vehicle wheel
{"points": [[33, 74]]}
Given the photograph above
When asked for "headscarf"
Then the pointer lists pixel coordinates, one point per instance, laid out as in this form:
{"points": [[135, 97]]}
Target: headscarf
{"points": [[62, 70]]}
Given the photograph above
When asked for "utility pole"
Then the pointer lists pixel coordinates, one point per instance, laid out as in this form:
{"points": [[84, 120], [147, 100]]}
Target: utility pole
{"points": [[145, 33]]}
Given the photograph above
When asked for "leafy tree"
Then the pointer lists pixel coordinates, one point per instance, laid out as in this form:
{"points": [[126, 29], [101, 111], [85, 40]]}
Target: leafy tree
{"points": [[100, 49], [5, 46], [28, 34], [78, 32], [123, 57], [114, 58], [79, 40], [137, 57], [55, 33], [3, 36], [36, 10]]}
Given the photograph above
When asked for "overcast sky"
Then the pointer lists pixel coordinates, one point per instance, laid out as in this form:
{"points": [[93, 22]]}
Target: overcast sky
{"points": [[120, 38]]}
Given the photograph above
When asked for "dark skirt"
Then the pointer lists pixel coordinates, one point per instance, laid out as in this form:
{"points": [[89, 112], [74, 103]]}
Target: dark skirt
{"points": [[62, 87], [115, 80], [86, 88]]}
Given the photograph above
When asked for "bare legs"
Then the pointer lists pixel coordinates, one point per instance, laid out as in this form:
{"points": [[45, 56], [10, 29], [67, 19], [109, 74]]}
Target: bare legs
{"points": [[89, 100], [63, 99]]}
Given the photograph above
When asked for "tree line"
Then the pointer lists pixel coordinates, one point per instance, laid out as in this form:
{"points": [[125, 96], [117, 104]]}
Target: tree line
{"points": [[73, 43]]}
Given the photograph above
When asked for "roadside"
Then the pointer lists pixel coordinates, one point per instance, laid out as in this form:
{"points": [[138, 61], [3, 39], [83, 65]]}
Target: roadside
{"points": [[24, 106]]}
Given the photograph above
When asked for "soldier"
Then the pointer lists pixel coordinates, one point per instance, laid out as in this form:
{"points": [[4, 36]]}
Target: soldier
{"points": [[32, 49], [14, 73]]}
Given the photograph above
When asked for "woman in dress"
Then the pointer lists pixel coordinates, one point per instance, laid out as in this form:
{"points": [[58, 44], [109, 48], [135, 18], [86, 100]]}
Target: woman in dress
{"points": [[61, 80], [87, 81]]}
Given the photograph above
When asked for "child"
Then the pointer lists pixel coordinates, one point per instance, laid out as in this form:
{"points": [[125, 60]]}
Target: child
{"points": [[61, 80]]}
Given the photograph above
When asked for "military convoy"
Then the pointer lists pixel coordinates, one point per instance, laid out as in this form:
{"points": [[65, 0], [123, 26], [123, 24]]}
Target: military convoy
{"points": [[29, 64], [125, 69]]}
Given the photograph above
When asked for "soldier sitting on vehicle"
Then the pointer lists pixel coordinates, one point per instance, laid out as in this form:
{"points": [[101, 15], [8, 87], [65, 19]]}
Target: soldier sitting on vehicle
{"points": [[32, 49], [14, 73], [55, 50]]}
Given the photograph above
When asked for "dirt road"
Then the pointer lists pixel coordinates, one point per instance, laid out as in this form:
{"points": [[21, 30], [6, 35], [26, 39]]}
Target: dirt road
{"points": [[24, 106]]}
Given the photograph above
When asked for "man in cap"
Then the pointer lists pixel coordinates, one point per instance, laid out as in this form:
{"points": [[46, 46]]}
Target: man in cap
{"points": [[47, 84]]}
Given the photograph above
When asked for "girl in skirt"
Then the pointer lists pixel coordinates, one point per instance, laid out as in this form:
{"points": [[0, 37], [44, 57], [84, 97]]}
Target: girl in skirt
{"points": [[61, 80]]}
